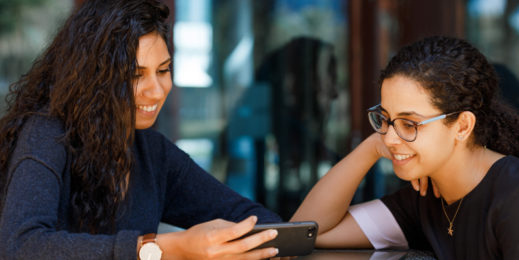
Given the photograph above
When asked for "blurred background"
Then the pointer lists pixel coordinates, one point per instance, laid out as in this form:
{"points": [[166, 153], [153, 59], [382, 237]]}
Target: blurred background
{"points": [[269, 94]]}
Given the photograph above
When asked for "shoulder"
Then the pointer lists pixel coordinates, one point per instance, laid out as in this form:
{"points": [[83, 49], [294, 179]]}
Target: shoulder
{"points": [[504, 177], [509, 164], [41, 125], [40, 132], [503, 211], [505, 174], [40, 140]]}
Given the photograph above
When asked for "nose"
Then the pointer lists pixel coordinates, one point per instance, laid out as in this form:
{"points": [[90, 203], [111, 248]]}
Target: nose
{"points": [[391, 137], [153, 88]]}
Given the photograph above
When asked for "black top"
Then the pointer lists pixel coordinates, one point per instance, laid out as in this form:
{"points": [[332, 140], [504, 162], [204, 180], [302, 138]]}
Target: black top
{"points": [[165, 185], [487, 224]]}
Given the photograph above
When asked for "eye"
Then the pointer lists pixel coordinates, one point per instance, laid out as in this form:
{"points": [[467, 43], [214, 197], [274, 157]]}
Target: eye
{"points": [[137, 74], [165, 71], [408, 124]]}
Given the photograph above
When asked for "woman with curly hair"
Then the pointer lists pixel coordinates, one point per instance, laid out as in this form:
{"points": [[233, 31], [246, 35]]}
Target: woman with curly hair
{"points": [[82, 176], [439, 119]]}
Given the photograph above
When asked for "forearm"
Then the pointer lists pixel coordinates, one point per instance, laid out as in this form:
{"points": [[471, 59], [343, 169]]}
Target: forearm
{"points": [[44, 244], [328, 201], [29, 223], [208, 199]]}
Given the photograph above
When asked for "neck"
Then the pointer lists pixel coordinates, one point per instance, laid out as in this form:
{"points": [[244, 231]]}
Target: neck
{"points": [[463, 172]]}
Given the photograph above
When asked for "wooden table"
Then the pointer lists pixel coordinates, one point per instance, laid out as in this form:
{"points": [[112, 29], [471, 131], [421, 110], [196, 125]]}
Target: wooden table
{"points": [[336, 254]]}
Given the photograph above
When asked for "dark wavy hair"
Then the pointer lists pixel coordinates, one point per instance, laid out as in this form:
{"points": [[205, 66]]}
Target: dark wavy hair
{"points": [[459, 78], [85, 78]]}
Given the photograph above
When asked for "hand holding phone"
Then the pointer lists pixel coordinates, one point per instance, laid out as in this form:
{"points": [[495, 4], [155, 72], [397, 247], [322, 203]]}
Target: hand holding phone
{"points": [[293, 239]]}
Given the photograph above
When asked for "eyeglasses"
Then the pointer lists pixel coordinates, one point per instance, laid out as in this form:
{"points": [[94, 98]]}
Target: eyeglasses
{"points": [[405, 128]]}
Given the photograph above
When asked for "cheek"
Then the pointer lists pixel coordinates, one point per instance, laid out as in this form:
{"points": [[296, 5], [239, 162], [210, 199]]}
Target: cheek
{"points": [[434, 152], [166, 84]]}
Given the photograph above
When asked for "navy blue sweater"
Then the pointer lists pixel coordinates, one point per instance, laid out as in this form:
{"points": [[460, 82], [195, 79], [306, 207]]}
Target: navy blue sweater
{"points": [[165, 185]]}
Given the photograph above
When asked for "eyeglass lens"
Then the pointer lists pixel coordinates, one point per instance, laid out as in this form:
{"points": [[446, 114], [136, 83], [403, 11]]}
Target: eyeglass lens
{"points": [[406, 129]]}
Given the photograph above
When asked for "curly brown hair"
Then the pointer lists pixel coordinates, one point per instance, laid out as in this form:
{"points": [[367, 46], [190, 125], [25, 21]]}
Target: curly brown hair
{"points": [[459, 78], [85, 79]]}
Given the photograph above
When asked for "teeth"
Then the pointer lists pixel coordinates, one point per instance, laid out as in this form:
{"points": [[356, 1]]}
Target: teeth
{"points": [[400, 157], [148, 108]]}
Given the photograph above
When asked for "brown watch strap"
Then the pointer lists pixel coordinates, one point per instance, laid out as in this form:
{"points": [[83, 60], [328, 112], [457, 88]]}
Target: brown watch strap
{"points": [[148, 238]]}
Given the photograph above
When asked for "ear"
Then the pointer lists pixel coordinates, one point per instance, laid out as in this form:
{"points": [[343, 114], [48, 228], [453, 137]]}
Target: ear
{"points": [[464, 125]]}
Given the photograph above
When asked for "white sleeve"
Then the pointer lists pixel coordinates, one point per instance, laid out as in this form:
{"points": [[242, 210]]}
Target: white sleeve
{"points": [[379, 225]]}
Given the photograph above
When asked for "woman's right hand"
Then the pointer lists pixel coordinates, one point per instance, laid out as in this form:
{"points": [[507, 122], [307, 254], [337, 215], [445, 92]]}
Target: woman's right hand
{"points": [[217, 239], [381, 149]]}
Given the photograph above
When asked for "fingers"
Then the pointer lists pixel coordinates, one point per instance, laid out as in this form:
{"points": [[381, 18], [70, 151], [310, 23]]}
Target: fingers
{"points": [[436, 191], [235, 230], [221, 239], [415, 184], [250, 242], [264, 253], [423, 186]]}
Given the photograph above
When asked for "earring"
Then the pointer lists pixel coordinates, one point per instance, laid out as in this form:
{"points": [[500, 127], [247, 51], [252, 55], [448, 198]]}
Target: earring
{"points": [[460, 137]]}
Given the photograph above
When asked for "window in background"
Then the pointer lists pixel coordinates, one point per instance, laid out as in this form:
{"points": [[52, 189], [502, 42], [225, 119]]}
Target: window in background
{"points": [[26, 26], [493, 27], [193, 43], [267, 93]]}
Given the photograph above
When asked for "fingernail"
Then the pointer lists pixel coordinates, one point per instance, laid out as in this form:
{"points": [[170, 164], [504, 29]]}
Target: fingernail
{"points": [[254, 218], [275, 251], [273, 233]]}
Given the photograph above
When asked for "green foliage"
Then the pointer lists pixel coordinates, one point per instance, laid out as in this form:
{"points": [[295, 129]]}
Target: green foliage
{"points": [[10, 11]]}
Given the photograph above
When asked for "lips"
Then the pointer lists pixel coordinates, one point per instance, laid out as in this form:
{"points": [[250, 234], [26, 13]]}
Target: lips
{"points": [[147, 108]]}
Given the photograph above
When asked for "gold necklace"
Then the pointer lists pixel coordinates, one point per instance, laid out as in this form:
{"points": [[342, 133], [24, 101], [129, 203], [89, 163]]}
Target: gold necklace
{"points": [[451, 222]]}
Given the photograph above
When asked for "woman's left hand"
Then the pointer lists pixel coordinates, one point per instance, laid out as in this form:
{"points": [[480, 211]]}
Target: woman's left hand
{"points": [[421, 186]]}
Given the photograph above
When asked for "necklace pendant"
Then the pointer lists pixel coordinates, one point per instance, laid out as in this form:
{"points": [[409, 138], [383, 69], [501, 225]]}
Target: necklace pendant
{"points": [[450, 230]]}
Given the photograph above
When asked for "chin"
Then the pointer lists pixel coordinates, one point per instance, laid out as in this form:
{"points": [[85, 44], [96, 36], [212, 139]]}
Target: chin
{"points": [[145, 123], [406, 176], [143, 126]]}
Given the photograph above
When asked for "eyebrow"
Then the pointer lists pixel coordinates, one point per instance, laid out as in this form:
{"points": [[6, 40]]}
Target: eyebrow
{"points": [[162, 63], [410, 113]]}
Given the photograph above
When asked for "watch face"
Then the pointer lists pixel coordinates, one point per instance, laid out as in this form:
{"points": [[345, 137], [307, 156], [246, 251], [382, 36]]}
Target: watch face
{"points": [[150, 251]]}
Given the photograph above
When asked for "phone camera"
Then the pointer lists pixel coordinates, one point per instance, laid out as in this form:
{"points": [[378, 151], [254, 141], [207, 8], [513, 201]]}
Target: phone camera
{"points": [[310, 232]]}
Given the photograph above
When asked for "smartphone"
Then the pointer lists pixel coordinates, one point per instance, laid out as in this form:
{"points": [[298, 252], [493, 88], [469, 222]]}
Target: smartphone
{"points": [[293, 239]]}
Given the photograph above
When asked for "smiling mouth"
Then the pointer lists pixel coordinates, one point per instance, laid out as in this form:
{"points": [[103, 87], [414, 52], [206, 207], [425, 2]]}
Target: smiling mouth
{"points": [[401, 157], [148, 108]]}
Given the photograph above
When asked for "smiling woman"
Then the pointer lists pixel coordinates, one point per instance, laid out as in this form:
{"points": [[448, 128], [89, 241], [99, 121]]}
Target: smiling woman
{"points": [[81, 174], [152, 80], [439, 119]]}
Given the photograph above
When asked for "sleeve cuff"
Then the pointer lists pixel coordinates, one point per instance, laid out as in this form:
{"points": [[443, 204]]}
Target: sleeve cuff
{"points": [[379, 225], [125, 246]]}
